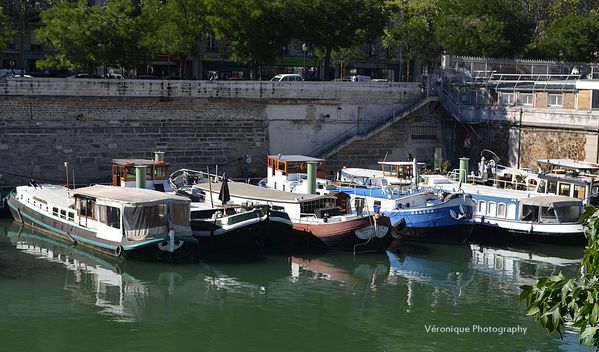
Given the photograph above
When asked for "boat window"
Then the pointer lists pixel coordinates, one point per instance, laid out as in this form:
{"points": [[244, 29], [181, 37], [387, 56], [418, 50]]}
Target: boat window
{"points": [[55, 211], [564, 189], [579, 192], [568, 213], [482, 207], [541, 186], [501, 210], [71, 216], [110, 216], [492, 210], [552, 187], [548, 215], [530, 213], [85, 207], [511, 211], [140, 222], [63, 214]]}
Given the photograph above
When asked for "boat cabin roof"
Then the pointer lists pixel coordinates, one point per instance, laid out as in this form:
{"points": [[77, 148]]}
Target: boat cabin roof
{"points": [[128, 196], [569, 164], [293, 158], [143, 162], [399, 163], [548, 201], [244, 190]]}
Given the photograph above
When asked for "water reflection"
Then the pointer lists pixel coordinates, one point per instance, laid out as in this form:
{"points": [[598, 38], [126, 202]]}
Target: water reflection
{"points": [[451, 270], [109, 284], [342, 267], [524, 264]]}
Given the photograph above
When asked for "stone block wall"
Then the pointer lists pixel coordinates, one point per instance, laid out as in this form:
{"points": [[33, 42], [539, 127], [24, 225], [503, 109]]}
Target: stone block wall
{"points": [[39, 134], [541, 144]]}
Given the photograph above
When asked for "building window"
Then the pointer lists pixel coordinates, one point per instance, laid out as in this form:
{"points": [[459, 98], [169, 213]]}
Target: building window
{"points": [[526, 99], [554, 100], [507, 99]]}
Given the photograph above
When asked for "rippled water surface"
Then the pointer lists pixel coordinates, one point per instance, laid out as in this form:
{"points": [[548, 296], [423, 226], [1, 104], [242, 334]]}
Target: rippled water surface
{"points": [[59, 298]]}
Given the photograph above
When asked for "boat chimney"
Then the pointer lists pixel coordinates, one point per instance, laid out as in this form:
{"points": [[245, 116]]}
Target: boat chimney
{"points": [[158, 156], [437, 159], [312, 165], [415, 172], [140, 176], [464, 169]]}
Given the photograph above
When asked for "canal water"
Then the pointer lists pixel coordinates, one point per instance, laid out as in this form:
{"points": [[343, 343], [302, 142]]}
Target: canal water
{"points": [[421, 298]]}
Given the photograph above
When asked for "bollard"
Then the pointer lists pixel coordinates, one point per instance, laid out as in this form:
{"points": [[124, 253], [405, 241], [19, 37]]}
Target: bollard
{"points": [[312, 165], [464, 169]]}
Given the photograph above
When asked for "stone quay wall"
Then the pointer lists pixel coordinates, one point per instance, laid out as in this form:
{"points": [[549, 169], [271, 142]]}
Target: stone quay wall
{"points": [[87, 123]]}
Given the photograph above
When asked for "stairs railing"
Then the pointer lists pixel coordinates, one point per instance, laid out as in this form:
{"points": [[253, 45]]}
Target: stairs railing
{"points": [[354, 132]]}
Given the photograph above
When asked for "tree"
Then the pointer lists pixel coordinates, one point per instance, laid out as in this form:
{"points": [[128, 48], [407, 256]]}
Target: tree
{"points": [[90, 36], [254, 31], [175, 27], [332, 25], [7, 29], [556, 300], [492, 28], [412, 30], [572, 38]]}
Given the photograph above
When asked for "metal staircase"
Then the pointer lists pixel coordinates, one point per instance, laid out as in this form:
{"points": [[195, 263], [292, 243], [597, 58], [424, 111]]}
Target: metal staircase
{"points": [[354, 133]]}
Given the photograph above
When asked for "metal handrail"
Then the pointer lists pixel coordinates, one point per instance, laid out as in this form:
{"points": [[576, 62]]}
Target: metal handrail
{"points": [[325, 148]]}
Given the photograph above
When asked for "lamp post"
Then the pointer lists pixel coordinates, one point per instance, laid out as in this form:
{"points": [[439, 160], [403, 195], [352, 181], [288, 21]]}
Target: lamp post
{"points": [[305, 50]]}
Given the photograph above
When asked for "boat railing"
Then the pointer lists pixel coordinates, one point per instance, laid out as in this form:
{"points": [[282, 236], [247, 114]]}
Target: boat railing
{"points": [[454, 175]]}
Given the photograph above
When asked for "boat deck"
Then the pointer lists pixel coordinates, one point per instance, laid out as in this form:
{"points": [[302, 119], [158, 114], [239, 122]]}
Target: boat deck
{"points": [[52, 194], [244, 190]]}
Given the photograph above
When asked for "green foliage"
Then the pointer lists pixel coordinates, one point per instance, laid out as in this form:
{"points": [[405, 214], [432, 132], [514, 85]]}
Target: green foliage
{"points": [[90, 36], [255, 31], [492, 28], [174, 27], [556, 301], [412, 29], [7, 29], [572, 38], [333, 25]]}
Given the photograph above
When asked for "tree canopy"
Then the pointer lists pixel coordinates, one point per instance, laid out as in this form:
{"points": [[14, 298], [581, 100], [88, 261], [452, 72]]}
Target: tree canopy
{"points": [[492, 28], [90, 36], [254, 31], [558, 300], [125, 32], [7, 29], [333, 25]]}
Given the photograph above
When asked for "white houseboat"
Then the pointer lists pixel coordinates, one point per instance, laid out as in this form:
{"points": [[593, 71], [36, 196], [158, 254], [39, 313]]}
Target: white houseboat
{"points": [[122, 222], [523, 214]]}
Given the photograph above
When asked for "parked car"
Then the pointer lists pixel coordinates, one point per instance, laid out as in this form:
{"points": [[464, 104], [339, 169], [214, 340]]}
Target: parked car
{"points": [[356, 78], [287, 77]]}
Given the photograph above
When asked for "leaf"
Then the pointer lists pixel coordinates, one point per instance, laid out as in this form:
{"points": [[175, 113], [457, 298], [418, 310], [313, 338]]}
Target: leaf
{"points": [[533, 310], [588, 334]]}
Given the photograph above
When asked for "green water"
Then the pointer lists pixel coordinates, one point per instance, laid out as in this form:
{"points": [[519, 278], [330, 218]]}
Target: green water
{"points": [[56, 298]]}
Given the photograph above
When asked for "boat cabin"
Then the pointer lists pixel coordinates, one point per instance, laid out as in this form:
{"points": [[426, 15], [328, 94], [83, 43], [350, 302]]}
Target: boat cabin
{"points": [[584, 188], [289, 173], [130, 213], [156, 173], [550, 210], [400, 172]]}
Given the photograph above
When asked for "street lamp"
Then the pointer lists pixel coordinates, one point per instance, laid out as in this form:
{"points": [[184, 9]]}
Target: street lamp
{"points": [[304, 49]]}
